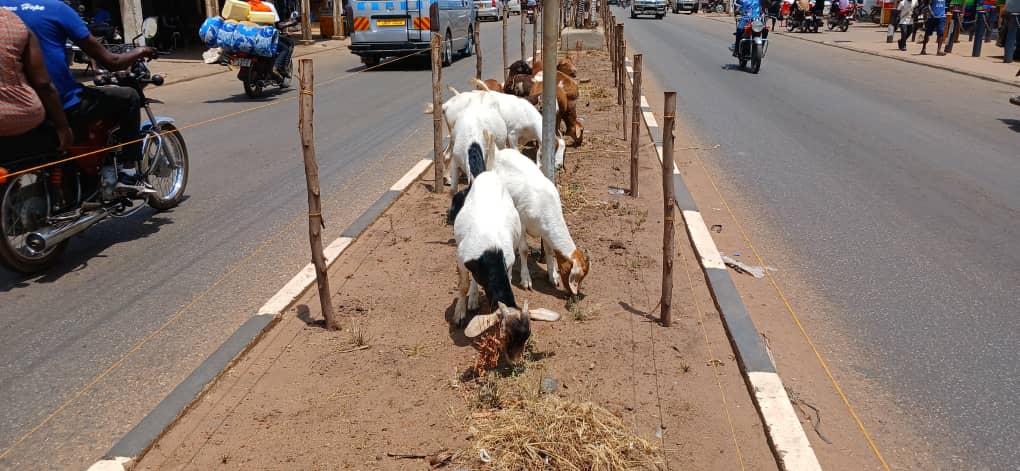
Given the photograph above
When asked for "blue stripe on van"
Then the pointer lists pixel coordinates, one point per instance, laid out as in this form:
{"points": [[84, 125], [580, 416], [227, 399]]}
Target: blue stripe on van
{"points": [[389, 5], [375, 6], [361, 6]]}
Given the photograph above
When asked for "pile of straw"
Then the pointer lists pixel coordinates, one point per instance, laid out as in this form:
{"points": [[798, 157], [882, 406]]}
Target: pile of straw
{"points": [[554, 433]]}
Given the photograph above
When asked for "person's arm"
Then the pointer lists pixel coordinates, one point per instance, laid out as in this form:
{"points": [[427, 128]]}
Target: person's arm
{"points": [[91, 46], [39, 79]]}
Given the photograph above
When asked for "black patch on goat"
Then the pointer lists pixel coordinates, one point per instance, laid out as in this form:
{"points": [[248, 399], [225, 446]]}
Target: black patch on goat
{"points": [[520, 67], [476, 160], [490, 273], [456, 205]]}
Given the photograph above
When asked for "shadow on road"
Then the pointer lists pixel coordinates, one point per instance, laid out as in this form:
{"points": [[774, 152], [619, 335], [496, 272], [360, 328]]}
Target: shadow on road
{"points": [[1013, 124], [267, 96], [90, 245]]}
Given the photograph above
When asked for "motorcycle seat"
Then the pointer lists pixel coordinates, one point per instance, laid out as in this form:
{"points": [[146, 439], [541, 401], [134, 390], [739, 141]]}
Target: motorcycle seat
{"points": [[35, 147]]}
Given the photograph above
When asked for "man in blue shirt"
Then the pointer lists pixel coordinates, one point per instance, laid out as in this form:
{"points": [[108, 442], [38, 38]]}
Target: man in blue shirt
{"points": [[749, 9], [54, 23], [936, 22]]}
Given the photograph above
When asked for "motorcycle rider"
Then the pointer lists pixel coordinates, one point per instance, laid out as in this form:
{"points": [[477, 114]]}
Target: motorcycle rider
{"points": [[54, 23], [749, 9], [284, 46]]}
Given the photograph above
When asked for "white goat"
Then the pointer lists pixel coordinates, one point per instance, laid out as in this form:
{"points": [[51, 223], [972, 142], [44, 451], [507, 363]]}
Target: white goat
{"points": [[488, 230], [541, 214], [469, 135]]}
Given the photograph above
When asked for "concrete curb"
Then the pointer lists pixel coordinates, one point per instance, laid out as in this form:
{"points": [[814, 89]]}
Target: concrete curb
{"points": [[123, 455], [897, 58], [785, 434]]}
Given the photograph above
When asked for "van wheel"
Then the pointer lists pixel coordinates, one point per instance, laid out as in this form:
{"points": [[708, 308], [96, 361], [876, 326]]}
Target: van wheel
{"points": [[370, 61], [448, 50], [469, 44]]}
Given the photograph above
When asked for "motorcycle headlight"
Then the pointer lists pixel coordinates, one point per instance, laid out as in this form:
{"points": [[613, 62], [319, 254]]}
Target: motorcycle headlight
{"points": [[757, 25]]}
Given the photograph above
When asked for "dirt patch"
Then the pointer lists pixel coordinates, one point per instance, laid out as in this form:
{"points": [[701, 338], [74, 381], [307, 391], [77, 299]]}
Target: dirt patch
{"points": [[395, 388]]}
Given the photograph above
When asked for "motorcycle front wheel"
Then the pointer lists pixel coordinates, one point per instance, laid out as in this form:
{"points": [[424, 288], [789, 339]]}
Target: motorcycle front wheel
{"points": [[755, 58], [844, 25], [165, 162], [24, 203]]}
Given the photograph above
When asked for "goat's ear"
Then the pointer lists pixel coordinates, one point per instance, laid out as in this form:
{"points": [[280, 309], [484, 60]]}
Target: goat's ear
{"points": [[504, 311], [480, 324], [539, 314]]}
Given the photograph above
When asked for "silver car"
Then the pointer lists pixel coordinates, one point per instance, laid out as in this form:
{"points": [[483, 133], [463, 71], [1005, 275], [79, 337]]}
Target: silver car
{"points": [[383, 28], [490, 9], [648, 7]]}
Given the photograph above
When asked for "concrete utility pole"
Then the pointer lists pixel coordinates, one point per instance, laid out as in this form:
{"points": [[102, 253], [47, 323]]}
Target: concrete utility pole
{"points": [[131, 17], [550, 33]]}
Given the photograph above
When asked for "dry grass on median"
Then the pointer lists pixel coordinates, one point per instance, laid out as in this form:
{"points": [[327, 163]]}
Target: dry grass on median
{"points": [[554, 433]]}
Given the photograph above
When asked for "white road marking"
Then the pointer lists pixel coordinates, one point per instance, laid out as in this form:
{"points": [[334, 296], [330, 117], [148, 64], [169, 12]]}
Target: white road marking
{"points": [[792, 445], [702, 239], [119, 463]]}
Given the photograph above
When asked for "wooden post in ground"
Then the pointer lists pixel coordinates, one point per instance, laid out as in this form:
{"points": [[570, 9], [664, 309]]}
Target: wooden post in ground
{"points": [[623, 89], [577, 56], [306, 23], [534, 35], [437, 113], [315, 224], [619, 65], [635, 129], [476, 38], [668, 206], [524, 36], [506, 56], [612, 54]]}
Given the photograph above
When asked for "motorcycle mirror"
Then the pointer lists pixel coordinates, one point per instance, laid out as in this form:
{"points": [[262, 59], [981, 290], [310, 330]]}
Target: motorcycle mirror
{"points": [[150, 27], [294, 15]]}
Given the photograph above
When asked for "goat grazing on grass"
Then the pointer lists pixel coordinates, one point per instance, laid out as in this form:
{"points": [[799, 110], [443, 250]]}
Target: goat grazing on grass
{"points": [[541, 215], [487, 230]]}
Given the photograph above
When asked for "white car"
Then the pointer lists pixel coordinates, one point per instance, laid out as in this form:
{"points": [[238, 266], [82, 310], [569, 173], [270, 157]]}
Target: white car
{"points": [[486, 9], [514, 6]]}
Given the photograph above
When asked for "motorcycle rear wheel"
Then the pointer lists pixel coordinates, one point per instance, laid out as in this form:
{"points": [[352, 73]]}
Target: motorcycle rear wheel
{"points": [[844, 25], [167, 167], [24, 203], [252, 86]]}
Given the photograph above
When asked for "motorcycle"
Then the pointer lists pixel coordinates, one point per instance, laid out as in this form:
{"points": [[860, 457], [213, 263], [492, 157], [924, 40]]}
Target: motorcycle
{"points": [[529, 15], [256, 72], [839, 17], [803, 20], [42, 208], [753, 44]]}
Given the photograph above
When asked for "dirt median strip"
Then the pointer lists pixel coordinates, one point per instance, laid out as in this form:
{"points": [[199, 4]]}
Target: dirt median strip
{"points": [[789, 443], [135, 443]]}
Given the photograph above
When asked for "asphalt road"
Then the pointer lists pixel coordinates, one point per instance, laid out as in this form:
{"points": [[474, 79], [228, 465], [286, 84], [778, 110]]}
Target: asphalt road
{"points": [[897, 187], [87, 349]]}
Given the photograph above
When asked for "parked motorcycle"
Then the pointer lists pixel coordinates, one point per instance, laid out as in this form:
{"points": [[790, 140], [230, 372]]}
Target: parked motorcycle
{"points": [[839, 18], [803, 21], [40, 210], [753, 44], [256, 72]]}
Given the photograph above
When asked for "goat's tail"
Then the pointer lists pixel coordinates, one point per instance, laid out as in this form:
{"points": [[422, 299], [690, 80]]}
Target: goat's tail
{"points": [[476, 159], [479, 85], [453, 90]]}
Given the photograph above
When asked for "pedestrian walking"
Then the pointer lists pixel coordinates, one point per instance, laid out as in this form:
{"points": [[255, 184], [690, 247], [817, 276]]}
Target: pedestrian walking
{"points": [[935, 23], [906, 10]]}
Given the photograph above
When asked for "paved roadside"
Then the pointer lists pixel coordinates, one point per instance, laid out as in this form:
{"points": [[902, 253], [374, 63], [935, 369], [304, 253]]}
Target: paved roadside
{"points": [[870, 39]]}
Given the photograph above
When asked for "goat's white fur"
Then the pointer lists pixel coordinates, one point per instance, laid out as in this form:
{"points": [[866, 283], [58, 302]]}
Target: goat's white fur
{"points": [[476, 122], [487, 221], [538, 204]]}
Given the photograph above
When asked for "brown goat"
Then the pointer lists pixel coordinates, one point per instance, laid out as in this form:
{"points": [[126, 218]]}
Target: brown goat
{"points": [[565, 65], [566, 101], [491, 84]]}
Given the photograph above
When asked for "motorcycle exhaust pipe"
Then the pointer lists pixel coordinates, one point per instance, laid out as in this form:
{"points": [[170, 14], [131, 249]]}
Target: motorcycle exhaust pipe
{"points": [[40, 241]]}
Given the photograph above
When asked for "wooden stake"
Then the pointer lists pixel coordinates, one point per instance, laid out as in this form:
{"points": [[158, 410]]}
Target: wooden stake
{"points": [[338, 31], [534, 35], [635, 129], [668, 206], [623, 88], [506, 56], [524, 36], [306, 23], [619, 65], [437, 113], [478, 49], [315, 223]]}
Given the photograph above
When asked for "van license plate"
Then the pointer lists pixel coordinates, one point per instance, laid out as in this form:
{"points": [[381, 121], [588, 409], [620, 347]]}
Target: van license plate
{"points": [[241, 62], [400, 22]]}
